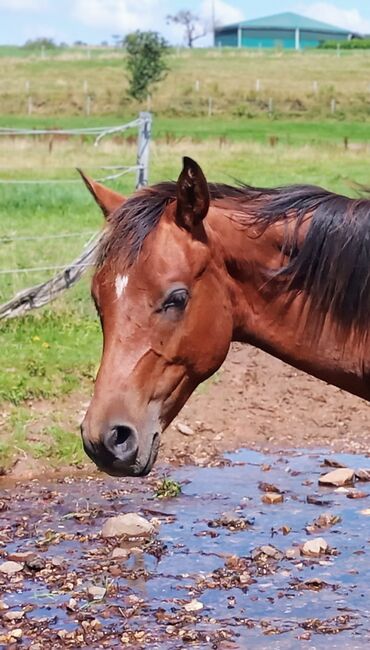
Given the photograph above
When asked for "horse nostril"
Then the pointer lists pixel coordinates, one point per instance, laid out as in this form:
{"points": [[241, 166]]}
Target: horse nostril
{"points": [[123, 434], [122, 442]]}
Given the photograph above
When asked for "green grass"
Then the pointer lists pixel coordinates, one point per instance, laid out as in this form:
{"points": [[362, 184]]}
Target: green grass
{"points": [[167, 488], [56, 83]]}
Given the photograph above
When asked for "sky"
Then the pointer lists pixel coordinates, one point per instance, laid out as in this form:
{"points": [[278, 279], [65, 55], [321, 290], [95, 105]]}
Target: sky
{"points": [[95, 21]]}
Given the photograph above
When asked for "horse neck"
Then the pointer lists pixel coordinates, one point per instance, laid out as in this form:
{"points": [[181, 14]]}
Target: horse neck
{"points": [[265, 319]]}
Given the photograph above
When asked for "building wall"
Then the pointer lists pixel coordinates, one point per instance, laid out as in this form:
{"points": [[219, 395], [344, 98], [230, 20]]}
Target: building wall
{"points": [[274, 38]]}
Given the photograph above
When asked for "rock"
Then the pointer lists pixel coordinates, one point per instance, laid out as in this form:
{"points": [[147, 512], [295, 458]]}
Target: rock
{"points": [[366, 512], [357, 494], [363, 474], [184, 429], [271, 551], [315, 546], [292, 553], [10, 567], [96, 593], [16, 634], [129, 525], [21, 556], [193, 606], [35, 563], [325, 520], [119, 553], [245, 578], [72, 604], [272, 498], [14, 616], [338, 477]]}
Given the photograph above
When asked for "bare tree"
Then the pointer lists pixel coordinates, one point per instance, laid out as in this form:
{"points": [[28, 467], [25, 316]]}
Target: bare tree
{"points": [[193, 28]]}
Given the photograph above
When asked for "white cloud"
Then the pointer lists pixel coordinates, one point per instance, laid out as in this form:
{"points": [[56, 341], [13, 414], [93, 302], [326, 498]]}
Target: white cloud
{"points": [[23, 5], [224, 12], [124, 16], [120, 16], [329, 13]]}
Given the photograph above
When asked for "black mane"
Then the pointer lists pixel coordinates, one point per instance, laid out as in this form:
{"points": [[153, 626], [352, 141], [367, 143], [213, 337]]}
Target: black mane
{"points": [[331, 265]]}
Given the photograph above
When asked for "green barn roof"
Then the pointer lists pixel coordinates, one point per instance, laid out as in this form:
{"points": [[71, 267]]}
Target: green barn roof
{"points": [[288, 20]]}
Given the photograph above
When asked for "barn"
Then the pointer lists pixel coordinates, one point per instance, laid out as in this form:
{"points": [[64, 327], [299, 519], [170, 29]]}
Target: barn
{"points": [[288, 30]]}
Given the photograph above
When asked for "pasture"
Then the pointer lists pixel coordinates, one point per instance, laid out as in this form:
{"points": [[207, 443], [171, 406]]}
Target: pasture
{"points": [[50, 358]]}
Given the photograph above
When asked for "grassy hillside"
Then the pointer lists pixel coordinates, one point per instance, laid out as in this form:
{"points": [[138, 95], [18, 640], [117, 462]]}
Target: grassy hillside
{"points": [[242, 83]]}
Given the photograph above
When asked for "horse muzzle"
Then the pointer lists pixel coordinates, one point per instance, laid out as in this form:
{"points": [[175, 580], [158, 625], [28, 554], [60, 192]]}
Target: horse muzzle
{"points": [[118, 451]]}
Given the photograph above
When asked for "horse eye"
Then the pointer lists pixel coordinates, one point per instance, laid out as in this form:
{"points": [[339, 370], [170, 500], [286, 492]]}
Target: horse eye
{"points": [[176, 300]]}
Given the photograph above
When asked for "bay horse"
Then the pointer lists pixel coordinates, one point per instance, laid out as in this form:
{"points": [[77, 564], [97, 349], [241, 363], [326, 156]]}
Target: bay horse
{"points": [[186, 267]]}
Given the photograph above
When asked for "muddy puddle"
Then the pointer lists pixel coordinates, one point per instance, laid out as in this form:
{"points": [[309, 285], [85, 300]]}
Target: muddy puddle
{"points": [[203, 579]]}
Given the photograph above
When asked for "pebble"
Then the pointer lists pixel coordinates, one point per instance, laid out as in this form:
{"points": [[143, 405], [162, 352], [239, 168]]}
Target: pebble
{"points": [[184, 429], [119, 553], [128, 525], [292, 553], [193, 606], [35, 563], [10, 567], [14, 616], [96, 593], [272, 498], [338, 477], [271, 551], [315, 546]]}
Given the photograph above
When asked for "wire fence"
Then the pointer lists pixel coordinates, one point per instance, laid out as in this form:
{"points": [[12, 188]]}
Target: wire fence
{"points": [[66, 275]]}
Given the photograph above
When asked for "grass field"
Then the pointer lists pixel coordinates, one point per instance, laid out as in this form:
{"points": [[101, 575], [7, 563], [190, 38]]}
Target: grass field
{"points": [[301, 85], [55, 352]]}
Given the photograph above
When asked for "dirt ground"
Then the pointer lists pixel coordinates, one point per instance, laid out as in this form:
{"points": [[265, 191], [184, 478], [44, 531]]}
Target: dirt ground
{"points": [[260, 402], [254, 401]]}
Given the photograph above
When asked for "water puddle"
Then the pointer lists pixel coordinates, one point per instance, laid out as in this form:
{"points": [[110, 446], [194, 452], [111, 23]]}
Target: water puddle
{"points": [[203, 579]]}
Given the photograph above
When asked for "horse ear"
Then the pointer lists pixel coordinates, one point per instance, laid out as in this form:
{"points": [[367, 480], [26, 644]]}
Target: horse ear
{"points": [[108, 200], [192, 195]]}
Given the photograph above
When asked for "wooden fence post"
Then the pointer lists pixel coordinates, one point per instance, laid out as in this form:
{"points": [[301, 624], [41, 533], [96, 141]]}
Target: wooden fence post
{"points": [[143, 149]]}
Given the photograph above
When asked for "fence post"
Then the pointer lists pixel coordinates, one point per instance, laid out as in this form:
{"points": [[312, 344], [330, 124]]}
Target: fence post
{"points": [[143, 146]]}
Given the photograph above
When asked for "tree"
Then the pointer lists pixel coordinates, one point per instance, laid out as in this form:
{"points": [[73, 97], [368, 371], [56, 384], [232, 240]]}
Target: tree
{"points": [[146, 52], [39, 43], [193, 27]]}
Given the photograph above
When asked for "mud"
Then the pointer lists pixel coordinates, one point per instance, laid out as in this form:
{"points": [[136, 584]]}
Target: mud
{"points": [[202, 580]]}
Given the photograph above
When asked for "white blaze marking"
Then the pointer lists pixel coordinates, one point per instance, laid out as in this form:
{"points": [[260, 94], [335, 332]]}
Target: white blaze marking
{"points": [[120, 283]]}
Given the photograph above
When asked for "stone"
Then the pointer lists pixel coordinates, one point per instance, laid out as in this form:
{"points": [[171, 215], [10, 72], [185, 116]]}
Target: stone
{"points": [[315, 546], [363, 474], [184, 429], [96, 593], [338, 477], [119, 553], [128, 525], [272, 498], [357, 494], [193, 606], [72, 604], [16, 634], [10, 567], [21, 556], [14, 616], [292, 553], [271, 551], [35, 563]]}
